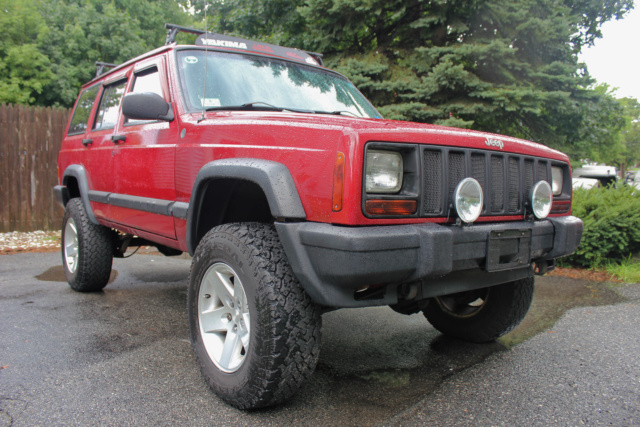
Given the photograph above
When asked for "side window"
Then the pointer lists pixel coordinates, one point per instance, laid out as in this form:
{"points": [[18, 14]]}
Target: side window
{"points": [[80, 117], [107, 114], [146, 81]]}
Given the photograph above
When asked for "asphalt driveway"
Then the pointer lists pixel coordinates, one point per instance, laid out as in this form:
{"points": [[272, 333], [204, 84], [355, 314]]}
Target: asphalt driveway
{"points": [[122, 357]]}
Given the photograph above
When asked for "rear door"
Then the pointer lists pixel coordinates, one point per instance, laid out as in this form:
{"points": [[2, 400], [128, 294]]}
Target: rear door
{"points": [[98, 144], [144, 160]]}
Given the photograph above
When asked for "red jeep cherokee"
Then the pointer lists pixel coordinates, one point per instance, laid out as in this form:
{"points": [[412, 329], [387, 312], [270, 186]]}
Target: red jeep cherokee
{"points": [[295, 197]]}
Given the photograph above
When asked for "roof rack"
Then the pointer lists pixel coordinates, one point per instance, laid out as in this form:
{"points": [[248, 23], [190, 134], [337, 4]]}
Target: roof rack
{"points": [[101, 66], [173, 30]]}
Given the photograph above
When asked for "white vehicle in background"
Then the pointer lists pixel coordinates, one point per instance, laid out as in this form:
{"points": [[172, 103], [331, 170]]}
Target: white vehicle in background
{"points": [[586, 176], [633, 178], [586, 183]]}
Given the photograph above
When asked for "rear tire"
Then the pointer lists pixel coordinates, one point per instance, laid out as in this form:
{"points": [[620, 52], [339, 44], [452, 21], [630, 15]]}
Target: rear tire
{"points": [[87, 249], [481, 315], [254, 330]]}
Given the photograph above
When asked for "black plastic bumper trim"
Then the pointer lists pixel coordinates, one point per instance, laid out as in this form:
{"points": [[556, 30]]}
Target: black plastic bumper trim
{"points": [[332, 262]]}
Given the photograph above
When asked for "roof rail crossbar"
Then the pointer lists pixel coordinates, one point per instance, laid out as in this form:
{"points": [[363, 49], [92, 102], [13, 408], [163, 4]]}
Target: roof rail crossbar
{"points": [[173, 30], [101, 66]]}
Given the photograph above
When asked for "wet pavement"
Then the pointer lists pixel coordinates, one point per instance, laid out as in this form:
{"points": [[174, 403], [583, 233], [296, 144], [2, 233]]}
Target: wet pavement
{"points": [[123, 357]]}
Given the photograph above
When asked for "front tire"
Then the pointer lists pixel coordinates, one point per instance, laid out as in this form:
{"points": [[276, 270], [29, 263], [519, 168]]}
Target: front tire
{"points": [[254, 330], [481, 315], [87, 249]]}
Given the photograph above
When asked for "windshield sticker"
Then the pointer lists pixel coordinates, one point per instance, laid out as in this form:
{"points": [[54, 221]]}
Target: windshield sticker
{"points": [[191, 60], [211, 102]]}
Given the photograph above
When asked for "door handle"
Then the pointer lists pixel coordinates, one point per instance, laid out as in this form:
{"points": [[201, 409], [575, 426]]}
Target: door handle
{"points": [[86, 142], [118, 138]]}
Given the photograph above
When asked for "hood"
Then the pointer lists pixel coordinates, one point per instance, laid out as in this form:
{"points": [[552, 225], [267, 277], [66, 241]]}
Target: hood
{"points": [[378, 130], [419, 133]]}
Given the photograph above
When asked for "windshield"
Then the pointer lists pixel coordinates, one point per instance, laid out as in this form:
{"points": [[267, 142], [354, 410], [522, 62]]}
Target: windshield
{"points": [[242, 81]]}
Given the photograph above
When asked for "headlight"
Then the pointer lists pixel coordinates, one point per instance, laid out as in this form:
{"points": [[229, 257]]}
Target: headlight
{"points": [[557, 180], [384, 172], [468, 199], [541, 199]]}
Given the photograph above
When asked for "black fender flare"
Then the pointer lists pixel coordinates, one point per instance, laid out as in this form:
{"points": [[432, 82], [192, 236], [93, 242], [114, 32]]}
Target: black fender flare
{"points": [[273, 178], [62, 193]]}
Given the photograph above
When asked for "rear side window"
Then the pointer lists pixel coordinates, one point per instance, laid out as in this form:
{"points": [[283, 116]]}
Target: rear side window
{"points": [[80, 118], [107, 114]]}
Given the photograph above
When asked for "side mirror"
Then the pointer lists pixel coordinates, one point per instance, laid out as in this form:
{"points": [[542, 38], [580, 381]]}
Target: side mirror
{"points": [[146, 106]]}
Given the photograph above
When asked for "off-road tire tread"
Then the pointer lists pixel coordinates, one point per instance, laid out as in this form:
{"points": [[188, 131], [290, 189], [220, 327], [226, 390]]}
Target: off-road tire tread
{"points": [[95, 250], [506, 306], [291, 323]]}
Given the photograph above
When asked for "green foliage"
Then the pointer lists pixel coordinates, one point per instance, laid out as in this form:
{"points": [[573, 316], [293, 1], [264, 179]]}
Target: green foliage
{"points": [[627, 149], [506, 67], [628, 270], [49, 48], [24, 70], [273, 21], [611, 225]]}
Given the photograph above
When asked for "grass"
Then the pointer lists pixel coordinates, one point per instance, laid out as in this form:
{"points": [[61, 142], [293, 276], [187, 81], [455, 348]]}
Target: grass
{"points": [[627, 270]]}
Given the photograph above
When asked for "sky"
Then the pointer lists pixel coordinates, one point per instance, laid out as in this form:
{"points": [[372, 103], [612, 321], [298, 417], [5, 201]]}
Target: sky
{"points": [[615, 58]]}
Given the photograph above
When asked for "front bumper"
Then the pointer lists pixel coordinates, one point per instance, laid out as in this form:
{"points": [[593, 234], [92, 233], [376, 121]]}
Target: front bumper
{"points": [[334, 262]]}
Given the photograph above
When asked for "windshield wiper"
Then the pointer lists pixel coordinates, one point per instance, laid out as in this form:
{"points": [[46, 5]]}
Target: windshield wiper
{"points": [[259, 105], [338, 113], [265, 106]]}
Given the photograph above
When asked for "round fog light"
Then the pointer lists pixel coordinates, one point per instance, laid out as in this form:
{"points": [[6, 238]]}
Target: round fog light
{"points": [[541, 199], [468, 199]]}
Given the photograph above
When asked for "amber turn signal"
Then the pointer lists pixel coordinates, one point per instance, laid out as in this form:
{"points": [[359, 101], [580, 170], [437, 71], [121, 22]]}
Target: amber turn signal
{"points": [[391, 207]]}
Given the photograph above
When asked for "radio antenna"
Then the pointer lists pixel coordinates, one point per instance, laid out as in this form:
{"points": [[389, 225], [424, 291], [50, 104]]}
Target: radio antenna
{"points": [[206, 59]]}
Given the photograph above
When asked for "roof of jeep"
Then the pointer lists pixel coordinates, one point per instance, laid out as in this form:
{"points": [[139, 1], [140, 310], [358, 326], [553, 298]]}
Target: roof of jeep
{"points": [[217, 42]]}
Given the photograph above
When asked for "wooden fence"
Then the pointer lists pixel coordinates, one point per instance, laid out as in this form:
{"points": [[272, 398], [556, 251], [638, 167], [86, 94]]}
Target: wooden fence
{"points": [[30, 139]]}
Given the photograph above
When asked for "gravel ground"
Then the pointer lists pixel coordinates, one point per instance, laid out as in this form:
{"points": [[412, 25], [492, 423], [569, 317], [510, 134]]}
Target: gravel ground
{"points": [[17, 242], [33, 241]]}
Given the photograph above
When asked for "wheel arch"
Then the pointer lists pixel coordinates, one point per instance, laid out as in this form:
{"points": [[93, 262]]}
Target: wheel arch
{"points": [[238, 190], [75, 184]]}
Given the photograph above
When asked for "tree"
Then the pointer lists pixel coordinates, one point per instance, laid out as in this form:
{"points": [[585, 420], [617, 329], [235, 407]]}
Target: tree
{"points": [[81, 32], [24, 70], [49, 48], [506, 67], [624, 149]]}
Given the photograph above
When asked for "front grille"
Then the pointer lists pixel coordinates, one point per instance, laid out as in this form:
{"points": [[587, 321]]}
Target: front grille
{"points": [[432, 167], [505, 178]]}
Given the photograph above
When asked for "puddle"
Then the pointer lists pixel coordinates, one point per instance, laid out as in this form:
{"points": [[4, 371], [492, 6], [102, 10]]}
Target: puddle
{"points": [[56, 274], [374, 363], [555, 295], [385, 364]]}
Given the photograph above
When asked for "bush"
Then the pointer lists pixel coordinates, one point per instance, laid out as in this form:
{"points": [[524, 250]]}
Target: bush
{"points": [[611, 225]]}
